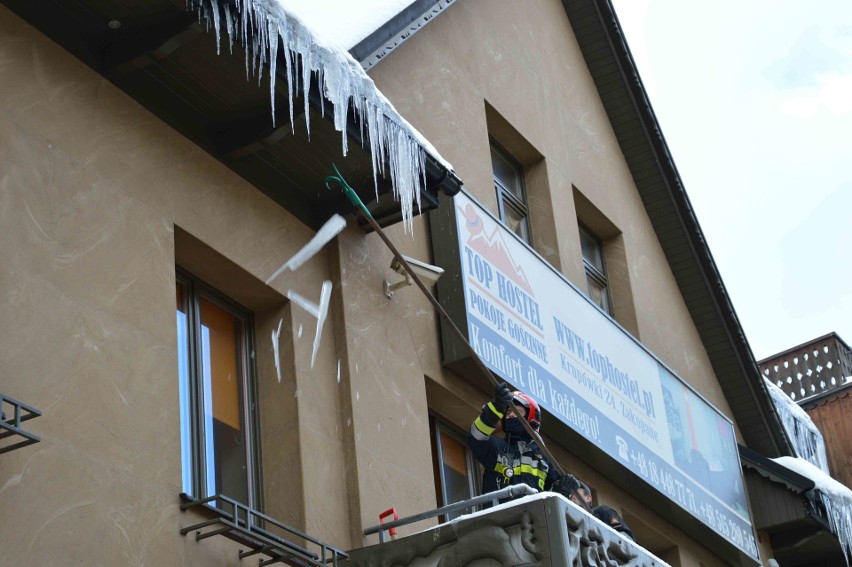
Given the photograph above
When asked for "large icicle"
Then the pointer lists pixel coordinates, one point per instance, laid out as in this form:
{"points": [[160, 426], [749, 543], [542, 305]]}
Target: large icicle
{"points": [[836, 497], [329, 230], [804, 434], [393, 141]]}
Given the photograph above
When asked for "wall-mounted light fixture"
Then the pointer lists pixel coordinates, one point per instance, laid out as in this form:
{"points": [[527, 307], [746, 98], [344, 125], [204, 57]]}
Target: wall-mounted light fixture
{"points": [[427, 273]]}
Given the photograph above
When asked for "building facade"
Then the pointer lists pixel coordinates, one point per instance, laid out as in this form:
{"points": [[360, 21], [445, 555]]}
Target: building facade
{"points": [[147, 201]]}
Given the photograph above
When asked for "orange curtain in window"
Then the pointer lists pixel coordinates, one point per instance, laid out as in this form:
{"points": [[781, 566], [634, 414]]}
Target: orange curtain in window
{"points": [[453, 453], [224, 380]]}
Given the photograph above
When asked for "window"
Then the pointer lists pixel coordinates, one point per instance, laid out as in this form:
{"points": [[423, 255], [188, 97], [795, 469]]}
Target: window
{"points": [[217, 416], [593, 260], [511, 196], [455, 470]]}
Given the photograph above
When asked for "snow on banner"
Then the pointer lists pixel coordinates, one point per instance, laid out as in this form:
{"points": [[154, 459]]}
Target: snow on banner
{"points": [[533, 328]]}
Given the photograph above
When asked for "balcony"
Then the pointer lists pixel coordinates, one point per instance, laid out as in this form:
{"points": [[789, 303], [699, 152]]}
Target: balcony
{"points": [[14, 413], [258, 533], [534, 530]]}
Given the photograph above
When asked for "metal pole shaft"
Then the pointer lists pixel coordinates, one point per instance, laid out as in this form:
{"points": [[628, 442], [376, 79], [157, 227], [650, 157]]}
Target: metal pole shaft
{"points": [[445, 316]]}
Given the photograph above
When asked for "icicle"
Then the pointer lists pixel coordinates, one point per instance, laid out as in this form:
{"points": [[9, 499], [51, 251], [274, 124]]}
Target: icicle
{"points": [[229, 24], [393, 142], [215, 10], [329, 230], [836, 497], [273, 61], [804, 434], [275, 335]]}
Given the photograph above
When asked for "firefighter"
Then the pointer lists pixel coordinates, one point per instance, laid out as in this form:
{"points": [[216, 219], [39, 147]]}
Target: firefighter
{"points": [[611, 518], [574, 490], [513, 458]]}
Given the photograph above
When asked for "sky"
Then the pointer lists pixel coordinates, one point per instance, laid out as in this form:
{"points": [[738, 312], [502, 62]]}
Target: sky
{"points": [[755, 101]]}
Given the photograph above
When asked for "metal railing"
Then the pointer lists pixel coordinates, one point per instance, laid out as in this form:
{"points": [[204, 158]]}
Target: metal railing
{"points": [[251, 528], [493, 498], [10, 427]]}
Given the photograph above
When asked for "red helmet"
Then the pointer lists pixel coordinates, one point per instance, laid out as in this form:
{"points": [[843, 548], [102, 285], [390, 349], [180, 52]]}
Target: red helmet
{"points": [[531, 407]]}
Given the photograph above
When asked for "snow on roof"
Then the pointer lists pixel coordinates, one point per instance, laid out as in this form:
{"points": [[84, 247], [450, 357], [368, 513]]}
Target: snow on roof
{"points": [[838, 499], [344, 24], [823, 481], [264, 25]]}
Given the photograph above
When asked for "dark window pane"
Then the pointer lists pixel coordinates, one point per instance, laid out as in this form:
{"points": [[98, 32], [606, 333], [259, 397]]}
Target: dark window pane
{"points": [[507, 174], [597, 292], [592, 252], [515, 221]]}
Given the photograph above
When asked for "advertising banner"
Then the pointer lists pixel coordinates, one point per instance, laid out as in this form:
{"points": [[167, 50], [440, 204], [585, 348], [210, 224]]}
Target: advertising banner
{"points": [[540, 334]]}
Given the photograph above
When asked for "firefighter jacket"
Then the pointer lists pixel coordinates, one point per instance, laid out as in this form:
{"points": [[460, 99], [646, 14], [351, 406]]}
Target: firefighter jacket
{"points": [[513, 459]]}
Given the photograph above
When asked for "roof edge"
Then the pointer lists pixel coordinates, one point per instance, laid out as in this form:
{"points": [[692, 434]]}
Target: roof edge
{"points": [[372, 49], [775, 472]]}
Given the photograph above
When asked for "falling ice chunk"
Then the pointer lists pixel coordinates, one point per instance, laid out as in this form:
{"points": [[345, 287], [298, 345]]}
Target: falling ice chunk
{"points": [[275, 334], [329, 230], [320, 311], [338, 371], [299, 333]]}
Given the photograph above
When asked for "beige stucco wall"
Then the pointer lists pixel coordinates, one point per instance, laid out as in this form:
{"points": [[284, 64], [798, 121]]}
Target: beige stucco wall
{"points": [[92, 187]]}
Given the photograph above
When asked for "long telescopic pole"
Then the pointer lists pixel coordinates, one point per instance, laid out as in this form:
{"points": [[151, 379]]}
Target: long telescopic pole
{"points": [[355, 200]]}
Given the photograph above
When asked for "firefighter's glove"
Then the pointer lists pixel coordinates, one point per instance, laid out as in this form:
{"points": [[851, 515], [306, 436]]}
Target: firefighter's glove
{"points": [[566, 485], [502, 397]]}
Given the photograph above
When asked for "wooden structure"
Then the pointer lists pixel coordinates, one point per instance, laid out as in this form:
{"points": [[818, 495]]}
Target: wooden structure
{"points": [[786, 507], [829, 412], [810, 369]]}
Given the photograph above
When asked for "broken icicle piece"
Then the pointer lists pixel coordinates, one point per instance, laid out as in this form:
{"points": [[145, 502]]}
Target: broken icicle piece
{"points": [[275, 335], [329, 230], [342, 80], [318, 310]]}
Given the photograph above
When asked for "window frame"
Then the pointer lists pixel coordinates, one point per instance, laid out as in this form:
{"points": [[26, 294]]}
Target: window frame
{"points": [[196, 289], [438, 428], [592, 271], [506, 197]]}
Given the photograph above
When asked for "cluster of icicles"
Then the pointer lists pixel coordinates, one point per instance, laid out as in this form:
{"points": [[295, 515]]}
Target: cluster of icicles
{"points": [[810, 447], [259, 25], [836, 497], [803, 433]]}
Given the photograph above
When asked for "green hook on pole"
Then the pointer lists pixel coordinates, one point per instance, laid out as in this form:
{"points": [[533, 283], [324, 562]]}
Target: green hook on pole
{"points": [[347, 190]]}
